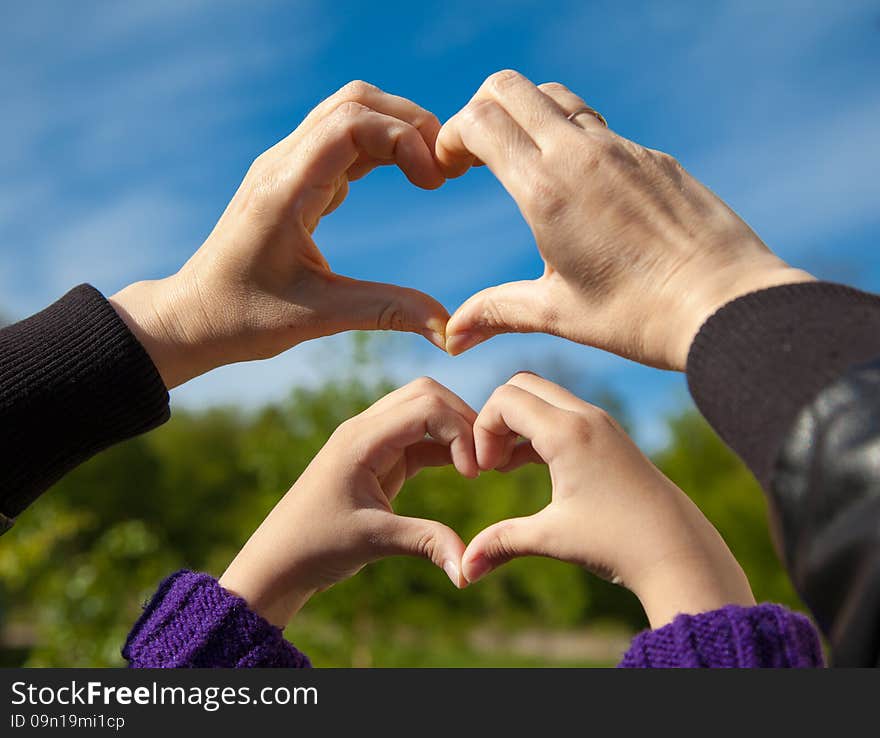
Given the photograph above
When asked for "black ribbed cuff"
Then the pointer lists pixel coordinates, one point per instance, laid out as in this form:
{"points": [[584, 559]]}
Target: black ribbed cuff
{"points": [[73, 381], [759, 359]]}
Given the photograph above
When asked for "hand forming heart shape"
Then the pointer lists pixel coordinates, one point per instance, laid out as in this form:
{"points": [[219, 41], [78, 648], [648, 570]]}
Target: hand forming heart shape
{"points": [[611, 512], [637, 253]]}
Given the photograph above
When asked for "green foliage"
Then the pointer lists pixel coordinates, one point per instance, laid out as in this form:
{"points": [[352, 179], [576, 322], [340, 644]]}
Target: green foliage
{"points": [[76, 568]]}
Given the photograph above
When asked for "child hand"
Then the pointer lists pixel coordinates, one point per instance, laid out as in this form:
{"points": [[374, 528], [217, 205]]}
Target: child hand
{"points": [[612, 511], [338, 517]]}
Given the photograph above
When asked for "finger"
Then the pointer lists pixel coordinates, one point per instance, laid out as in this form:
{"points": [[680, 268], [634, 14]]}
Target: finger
{"points": [[408, 423], [373, 97], [354, 133], [426, 454], [508, 444], [537, 113], [484, 132], [337, 199], [523, 453], [515, 307], [511, 410], [371, 306], [547, 390], [397, 535], [503, 541], [417, 388], [361, 168], [570, 104]]}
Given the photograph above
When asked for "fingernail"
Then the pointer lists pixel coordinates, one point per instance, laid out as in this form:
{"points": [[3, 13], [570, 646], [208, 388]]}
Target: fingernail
{"points": [[479, 567], [438, 339], [461, 342], [436, 333], [452, 572]]}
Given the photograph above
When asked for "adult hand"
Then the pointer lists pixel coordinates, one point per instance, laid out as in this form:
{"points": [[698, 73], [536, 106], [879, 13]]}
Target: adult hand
{"points": [[259, 284], [338, 516], [637, 253], [612, 511]]}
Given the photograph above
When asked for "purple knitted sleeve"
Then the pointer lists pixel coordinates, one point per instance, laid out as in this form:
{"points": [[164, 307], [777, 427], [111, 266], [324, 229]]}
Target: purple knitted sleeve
{"points": [[192, 622], [764, 636]]}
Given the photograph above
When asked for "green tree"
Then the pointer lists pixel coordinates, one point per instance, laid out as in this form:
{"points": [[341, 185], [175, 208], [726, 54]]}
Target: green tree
{"points": [[76, 568]]}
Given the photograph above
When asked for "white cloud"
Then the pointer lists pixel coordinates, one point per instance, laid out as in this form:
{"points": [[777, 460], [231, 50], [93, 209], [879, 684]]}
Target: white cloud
{"points": [[120, 95], [128, 91], [756, 99], [114, 243], [799, 186]]}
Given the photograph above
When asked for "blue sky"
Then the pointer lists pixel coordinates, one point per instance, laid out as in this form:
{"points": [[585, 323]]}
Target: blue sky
{"points": [[126, 127]]}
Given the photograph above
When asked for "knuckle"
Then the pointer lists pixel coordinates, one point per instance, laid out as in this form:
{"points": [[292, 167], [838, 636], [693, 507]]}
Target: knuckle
{"points": [[548, 201], [595, 415], [431, 405], [523, 374], [552, 87], [426, 120], [578, 426], [492, 316], [507, 543], [661, 157], [548, 314], [425, 385], [357, 89], [600, 145], [504, 393], [392, 317], [347, 110], [426, 544], [259, 163], [670, 163], [480, 111], [260, 177], [345, 429], [504, 79], [588, 423]]}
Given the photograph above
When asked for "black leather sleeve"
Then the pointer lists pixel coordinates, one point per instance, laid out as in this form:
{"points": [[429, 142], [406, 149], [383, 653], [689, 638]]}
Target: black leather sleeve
{"points": [[789, 377], [825, 501]]}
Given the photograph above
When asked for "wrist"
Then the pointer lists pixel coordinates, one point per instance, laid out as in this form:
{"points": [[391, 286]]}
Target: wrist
{"points": [[690, 586], [158, 314], [275, 599], [726, 285]]}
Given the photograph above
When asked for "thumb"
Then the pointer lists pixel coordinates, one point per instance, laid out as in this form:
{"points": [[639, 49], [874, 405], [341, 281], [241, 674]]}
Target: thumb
{"points": [[371, 306], [428, 539], [501, 542], [514, 307]]}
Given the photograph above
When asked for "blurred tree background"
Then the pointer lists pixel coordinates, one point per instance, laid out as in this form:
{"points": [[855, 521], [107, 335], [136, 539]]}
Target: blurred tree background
{"points": [[77, 567]]}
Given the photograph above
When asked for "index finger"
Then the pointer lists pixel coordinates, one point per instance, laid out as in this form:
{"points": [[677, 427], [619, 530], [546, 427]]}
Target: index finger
{"points": [[547, 390], [538, 114], [382, 102], [370, 96], [483, 131], [512, 410], [417, 388], [384, 436], [354, 132]]}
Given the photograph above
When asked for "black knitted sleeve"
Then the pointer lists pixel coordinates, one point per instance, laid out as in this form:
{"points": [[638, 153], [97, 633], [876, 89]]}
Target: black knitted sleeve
{"points": [[73, 381]]}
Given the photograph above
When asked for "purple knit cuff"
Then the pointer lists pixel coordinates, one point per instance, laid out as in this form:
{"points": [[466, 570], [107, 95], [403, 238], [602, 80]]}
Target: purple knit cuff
{"points": [[764, 636], [192, 622]]}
